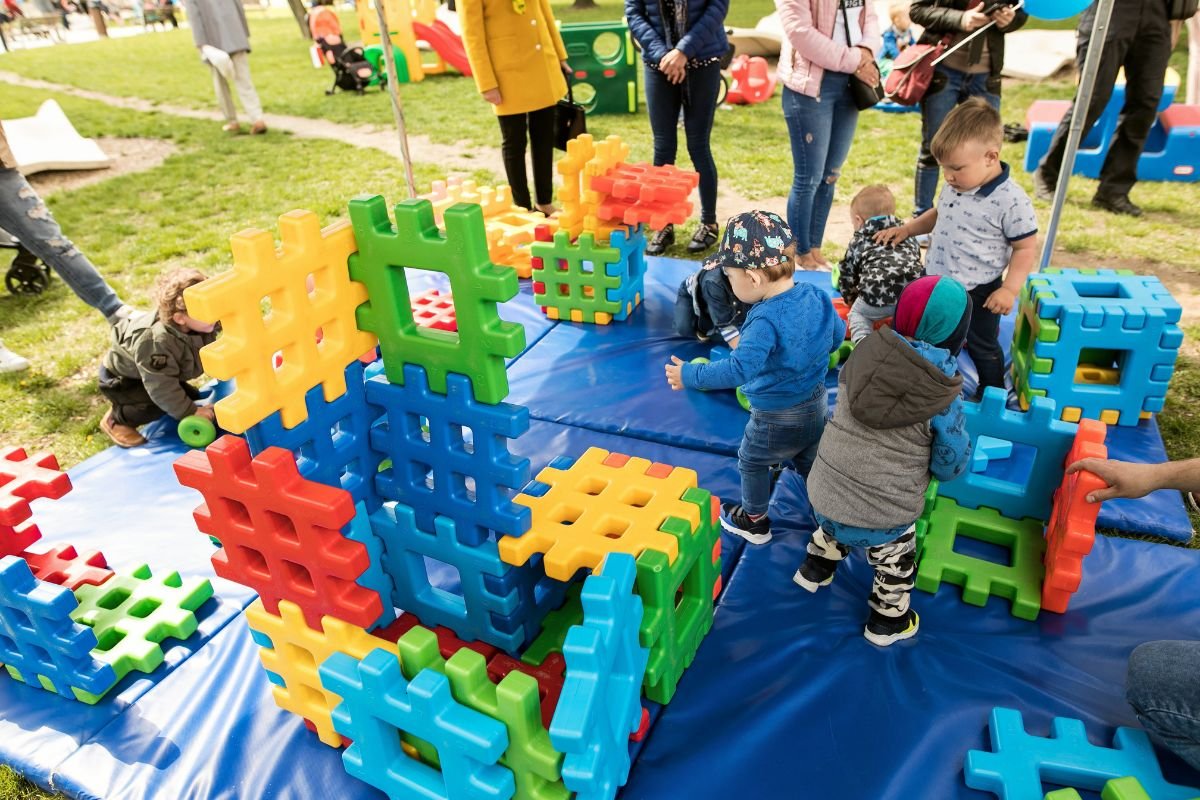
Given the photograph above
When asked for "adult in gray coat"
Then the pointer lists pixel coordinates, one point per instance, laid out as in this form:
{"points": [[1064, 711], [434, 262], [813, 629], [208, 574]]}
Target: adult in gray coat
{"points": [[220, 32]]}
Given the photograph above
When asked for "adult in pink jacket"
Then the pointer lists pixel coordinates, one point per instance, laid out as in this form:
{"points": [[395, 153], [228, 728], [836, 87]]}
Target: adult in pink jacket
{"points": [[825, 43]]}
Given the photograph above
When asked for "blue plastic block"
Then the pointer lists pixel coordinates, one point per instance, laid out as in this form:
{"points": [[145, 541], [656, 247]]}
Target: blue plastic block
{"points": [[1019, 762], [378, 704], [631, 268], [988, 449], [39, 643], [599, 707], [375, 577], [1038, 429], [332, 445], [495, 602], [462, 443]]}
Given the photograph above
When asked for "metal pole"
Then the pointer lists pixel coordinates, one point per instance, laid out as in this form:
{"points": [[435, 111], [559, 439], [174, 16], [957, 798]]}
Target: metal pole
{"points": [[1083, 98], [385, 39]]}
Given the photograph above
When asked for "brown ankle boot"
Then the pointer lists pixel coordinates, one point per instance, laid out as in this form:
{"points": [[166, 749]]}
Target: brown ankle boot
{"points": [[122, 435]]}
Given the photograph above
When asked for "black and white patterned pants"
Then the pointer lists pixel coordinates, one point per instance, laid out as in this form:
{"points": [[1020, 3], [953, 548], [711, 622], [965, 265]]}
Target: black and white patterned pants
{"points": [[894, 563]]}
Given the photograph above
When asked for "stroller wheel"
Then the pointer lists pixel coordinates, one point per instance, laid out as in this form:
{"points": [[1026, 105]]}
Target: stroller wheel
{"points": [[25, 278]]}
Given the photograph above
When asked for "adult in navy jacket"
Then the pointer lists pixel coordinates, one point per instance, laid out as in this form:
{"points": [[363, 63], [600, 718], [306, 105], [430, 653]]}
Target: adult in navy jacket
{"points": [[682, 44]]}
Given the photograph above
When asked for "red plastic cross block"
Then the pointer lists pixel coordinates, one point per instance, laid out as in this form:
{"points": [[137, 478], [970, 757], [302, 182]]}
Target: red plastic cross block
{"points": [[643, 727], [64, 566], [550, 675], [13, 541], [448, 641], [432, 309], [1071, 531], [653, 213], [24, 478], [643, 182], [282, 535]]}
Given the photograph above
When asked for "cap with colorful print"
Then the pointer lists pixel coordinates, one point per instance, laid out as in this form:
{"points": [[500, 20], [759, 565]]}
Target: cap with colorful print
{"points": [[753, 240]]}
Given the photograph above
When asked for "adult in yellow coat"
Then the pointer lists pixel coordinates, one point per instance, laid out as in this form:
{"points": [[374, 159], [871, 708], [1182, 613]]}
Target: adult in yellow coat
{"points": [[518, 60]]}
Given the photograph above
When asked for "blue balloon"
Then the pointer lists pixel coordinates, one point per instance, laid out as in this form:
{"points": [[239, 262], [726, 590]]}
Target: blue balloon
{"points": [[1055, 9]]}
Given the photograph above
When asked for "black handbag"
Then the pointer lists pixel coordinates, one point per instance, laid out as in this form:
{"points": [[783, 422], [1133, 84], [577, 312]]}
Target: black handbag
{"points": [[570, 119], [865, 95]]}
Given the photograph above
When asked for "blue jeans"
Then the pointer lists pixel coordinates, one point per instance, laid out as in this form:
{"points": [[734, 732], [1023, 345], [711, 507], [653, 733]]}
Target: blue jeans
{"points": [[776, 437], [949, 88], [1163, 690], [25, 216], [821, 129], [983, 338], [697, 96]]}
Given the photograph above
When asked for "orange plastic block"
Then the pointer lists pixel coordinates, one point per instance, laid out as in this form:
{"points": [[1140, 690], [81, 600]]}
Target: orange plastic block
{"points": [[602, 503], [267, 309], [1072, 528], [295, 652], [495, 201], [509, 235]]}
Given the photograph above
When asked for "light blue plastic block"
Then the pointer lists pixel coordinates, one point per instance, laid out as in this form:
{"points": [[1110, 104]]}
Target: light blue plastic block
{"points": [[599, 707], [988, 449], [1037, 428], [1019, 762], [631, 268], [463, 444], [378, 704], [375, 577]]}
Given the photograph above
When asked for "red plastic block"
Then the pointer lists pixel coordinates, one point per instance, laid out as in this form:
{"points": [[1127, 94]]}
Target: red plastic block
{"points": [[549, 675], [13, 541], [643, 727], [62, 565], [432, 309], [448, 641], [281, 534], [665, 184], [654, 214], [24, 478], [1072, 528]]}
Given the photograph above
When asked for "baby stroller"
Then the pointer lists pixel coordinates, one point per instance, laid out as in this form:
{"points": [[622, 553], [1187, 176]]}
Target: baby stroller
{"points": [[26, 275], [351, 70]]}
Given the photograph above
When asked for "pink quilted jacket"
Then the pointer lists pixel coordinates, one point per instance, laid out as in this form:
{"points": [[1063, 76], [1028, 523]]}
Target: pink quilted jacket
{"points": [[808, 49]]}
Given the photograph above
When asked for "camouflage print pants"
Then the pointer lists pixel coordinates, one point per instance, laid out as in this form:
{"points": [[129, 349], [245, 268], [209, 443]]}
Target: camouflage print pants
{"points": [[894, 563]]}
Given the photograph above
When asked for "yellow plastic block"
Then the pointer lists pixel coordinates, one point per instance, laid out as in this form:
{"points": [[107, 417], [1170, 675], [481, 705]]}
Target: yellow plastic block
{"points": [[1110, 417], [399, 18], [1071, 414], [585, 159], [1099, 376], [603, 503], [296, 654], [311, 296], [1145, 415]]}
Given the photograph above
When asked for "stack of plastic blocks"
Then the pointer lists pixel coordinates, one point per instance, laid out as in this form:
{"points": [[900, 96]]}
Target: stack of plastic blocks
{"points": [[509, 228], [1017, 497], [351, 479], [68, 624], [1101, 344]]}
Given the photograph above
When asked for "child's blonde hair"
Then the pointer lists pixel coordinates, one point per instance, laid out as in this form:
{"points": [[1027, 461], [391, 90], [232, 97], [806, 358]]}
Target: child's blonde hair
{"points": [[896, 9], [875, 200], [168, 291], [970, 121], [785, 268]]}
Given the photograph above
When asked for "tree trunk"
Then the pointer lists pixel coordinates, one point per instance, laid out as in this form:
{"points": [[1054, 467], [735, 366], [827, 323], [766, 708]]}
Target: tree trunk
{"points": [[301, 14]]}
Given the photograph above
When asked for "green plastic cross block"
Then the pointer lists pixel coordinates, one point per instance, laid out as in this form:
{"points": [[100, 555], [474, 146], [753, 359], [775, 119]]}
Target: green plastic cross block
{"points": [[1116, 789], [922, 524], [1019, 581], [554, 628], [677, 598], [572, 281], [385, 251], [132, 615], [535, 764]]}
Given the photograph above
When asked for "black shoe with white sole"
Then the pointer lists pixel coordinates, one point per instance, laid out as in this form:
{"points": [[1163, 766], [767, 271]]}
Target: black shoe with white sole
{"points": [[883, 631], [735, 520]]}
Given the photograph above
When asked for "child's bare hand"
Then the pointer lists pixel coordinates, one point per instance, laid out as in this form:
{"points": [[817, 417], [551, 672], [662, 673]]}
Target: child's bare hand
{"points": [[675, 373], [208, 412], [891, 236], [1000, 301], [1123, 478]]}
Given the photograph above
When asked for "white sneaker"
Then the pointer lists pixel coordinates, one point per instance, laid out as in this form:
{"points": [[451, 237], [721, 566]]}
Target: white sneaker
{"points": [[11, 362], [121, 313]]}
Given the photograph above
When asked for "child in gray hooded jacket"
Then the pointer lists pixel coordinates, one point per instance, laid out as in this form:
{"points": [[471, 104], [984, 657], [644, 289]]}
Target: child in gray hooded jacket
{"points": [[898, 422]]}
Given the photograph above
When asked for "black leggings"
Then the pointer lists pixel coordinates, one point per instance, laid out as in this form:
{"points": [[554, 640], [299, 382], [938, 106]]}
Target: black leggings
{"points": [[131, 403], [540, 125]]}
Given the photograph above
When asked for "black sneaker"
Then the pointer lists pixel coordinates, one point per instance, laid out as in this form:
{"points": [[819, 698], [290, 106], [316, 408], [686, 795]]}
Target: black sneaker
{"points": [[1117, 205], [884, 631], [661, 241], [1043, 187], [704, 238], [814, 573], [735, 520]]}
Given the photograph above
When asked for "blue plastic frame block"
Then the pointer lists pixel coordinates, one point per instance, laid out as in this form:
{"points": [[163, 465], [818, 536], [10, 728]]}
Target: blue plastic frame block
{"points": [[1037, 428], [378, 703], [463, 443], [1019, 762], [375, 577], [632, 269], [987, 450], [39, 643], [494, 603], [332, 446], [1104, 310], [600, 702]]}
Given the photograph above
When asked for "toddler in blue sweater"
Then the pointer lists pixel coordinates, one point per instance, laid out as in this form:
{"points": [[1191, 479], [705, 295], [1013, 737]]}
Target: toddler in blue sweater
{"points": [[780, 362]]}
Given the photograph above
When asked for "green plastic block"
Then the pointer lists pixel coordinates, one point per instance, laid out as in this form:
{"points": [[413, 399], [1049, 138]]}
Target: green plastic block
{"points": [[535, 764], [483, 340], [922, 523], [840, 355], [574, 281], [1116, 789], [677, 598], [554, 628], [132, 615], [604, 66], [1019, 581]]}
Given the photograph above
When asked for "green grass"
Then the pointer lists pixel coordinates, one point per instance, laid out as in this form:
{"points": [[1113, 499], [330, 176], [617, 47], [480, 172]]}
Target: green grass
{"points": [[15, 787]]}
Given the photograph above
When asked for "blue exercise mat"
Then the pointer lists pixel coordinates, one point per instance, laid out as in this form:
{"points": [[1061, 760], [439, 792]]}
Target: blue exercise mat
{"points": [[786, 698]]}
